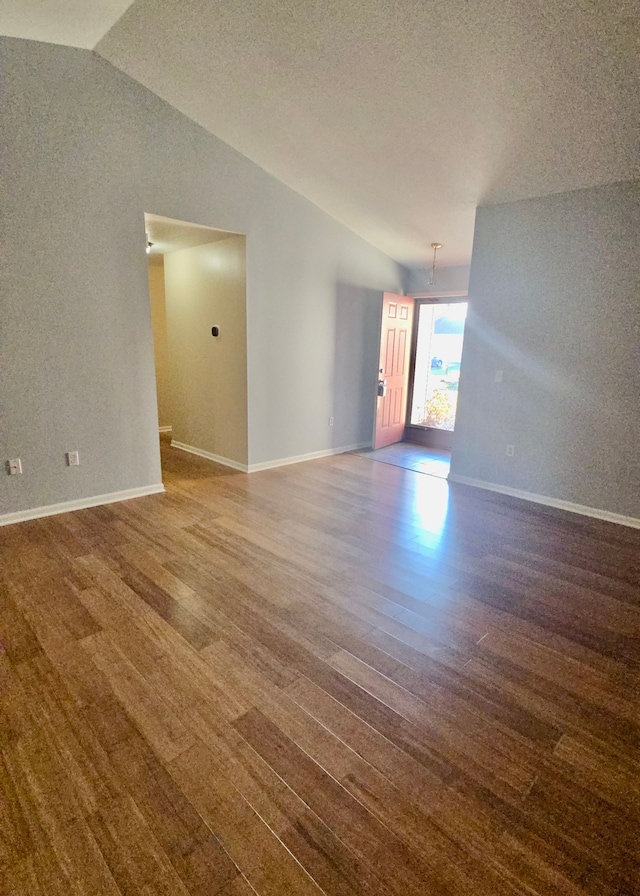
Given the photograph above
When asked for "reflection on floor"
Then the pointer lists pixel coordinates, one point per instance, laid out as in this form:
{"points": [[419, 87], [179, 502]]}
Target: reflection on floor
{"points": [[412, 457]]}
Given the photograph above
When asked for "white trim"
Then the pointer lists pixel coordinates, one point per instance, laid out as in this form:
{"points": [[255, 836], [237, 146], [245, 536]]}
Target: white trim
{"points": [[35, 513], [225, 461], [582, 509], [455, 294], [165, 429], [314, 455], [268, 464]]}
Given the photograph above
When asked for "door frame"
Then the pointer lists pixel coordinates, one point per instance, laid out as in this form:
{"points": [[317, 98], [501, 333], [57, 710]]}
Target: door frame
{"points": [[429, 436]]}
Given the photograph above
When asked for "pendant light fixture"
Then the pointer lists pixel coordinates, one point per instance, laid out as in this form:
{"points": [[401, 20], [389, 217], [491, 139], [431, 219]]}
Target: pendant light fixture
{"points": [[432, 278]]}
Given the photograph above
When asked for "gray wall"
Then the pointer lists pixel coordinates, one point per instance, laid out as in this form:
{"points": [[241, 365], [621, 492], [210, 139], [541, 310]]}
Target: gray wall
{"points": [[555, 302], [86, 152]]}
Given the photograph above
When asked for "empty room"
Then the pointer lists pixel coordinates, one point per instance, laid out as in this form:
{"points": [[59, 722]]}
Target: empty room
{"points": [[320, 492]]}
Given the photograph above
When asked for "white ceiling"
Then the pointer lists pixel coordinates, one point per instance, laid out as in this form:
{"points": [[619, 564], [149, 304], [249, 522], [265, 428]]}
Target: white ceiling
{"points": [[398, 117]]}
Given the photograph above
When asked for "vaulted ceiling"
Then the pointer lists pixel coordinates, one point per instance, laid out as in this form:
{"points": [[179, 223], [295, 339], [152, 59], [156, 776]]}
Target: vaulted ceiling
{"points": [[398, 117]]}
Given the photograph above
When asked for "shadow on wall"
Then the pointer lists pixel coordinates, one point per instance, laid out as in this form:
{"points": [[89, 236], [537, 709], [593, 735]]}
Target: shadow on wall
{"points": [[357, 338]]}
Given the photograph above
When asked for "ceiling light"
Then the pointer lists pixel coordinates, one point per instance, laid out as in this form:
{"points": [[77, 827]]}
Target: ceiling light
{"points": [[432, 278]]}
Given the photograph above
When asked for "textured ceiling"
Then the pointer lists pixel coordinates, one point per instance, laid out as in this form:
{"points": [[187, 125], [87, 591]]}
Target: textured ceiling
{"points": [[399, 117]]}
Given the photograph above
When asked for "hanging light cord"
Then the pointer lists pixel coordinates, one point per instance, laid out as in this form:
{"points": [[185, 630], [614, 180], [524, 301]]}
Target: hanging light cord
{"points": [[435, 247]]}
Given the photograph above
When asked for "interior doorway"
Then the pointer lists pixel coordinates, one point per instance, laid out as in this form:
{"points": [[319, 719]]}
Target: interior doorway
{"points": [[197, 289]]}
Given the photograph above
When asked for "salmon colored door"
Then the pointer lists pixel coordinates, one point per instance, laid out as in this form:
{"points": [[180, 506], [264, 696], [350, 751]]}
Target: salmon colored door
{"points": [[393, 376]]}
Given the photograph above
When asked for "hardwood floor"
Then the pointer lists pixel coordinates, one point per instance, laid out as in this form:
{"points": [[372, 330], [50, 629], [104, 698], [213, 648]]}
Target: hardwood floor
{"points": [[337, 677], [432, 461]]}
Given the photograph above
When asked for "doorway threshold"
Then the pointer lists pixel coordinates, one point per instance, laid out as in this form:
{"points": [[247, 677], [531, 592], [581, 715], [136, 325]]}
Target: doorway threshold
{"points": [[432, 461]]}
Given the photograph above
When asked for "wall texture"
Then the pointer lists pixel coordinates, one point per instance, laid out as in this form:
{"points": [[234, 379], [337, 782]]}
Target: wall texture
{"points": [[160, 345], [86, 152], [206, 286], [554, 302]]}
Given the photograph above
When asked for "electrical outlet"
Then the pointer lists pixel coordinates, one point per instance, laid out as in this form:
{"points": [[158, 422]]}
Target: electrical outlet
{"points": [[511, 450], [14, 466], [330, 421], [73, 458], [497, 378]]}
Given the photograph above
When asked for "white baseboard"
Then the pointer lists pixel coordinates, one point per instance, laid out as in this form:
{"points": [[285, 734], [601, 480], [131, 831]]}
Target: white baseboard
{"points": [[225, 461], [314, 455], [582, 509], [35, 513], [165, 429], [269, 464]]}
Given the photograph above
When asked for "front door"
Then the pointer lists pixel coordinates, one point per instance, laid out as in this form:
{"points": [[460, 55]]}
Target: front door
{"points": [[436, 372], [393, 373]]}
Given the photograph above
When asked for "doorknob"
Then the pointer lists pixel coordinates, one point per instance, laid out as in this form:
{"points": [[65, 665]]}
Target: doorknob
{"points": [[382, 388]]}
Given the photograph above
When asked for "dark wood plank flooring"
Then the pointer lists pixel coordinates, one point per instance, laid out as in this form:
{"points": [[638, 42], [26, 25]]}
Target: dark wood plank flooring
{"points": [[338, 677]]}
